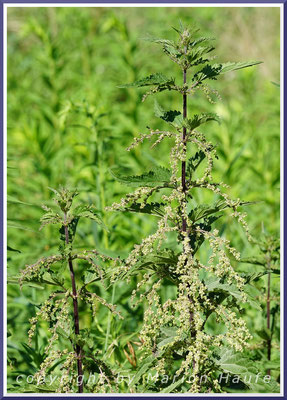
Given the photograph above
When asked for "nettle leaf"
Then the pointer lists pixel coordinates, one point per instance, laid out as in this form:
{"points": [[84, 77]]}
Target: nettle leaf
{"points": [[233, 66], [214, 284], [174, 117], [212, 71], [90, 276], [50, 217], [163, 263], [34, 283], [195, 56], [199, 40], [199, 119], [258, 260], [64, 198], [151, 80], [194, 162], [245, 368], [205, 210], [158, 176], [253, 276], [159, 41], [72, 227], [197, 239], [152, 208], [88, 211]]}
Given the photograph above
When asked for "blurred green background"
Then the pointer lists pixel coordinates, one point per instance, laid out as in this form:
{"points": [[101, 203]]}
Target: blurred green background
{"points": [[68, 123]]}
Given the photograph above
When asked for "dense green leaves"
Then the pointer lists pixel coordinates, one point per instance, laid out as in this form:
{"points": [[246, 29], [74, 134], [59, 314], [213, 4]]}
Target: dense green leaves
{"points": [[78, 149]]}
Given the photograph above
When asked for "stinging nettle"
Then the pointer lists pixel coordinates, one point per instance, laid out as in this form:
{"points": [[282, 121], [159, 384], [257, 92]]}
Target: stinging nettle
{"points": [[174, 336], [61, 309]]}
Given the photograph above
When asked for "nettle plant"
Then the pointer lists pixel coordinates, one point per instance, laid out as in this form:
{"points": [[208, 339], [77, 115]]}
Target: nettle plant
{"points": [[70, 351], [175, 341]]}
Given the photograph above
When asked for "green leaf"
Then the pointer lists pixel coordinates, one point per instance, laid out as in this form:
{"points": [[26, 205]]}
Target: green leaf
{"points": [[158, 176], [199, 119], [173, 386], [238, 364], [11, 249], [13, 200], [90, 212], [205, 210], [151, 80], [169, 334], [212, 71], [174, 117], [145, 366], [14, 280], [152, 209], [213, 284], [256, 260], [264, 333], [164, 263]]}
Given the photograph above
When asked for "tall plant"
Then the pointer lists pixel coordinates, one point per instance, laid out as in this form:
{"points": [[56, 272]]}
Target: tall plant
{"points": [[174, 335], [70, 350]]}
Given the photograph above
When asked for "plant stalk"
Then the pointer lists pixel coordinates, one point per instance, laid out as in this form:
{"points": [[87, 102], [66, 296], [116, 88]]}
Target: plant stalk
{"points": [[77, 347], [183, 164], [183, 174], [268, 318]]}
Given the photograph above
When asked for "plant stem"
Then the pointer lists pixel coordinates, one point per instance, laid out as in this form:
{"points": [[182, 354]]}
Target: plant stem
{"points": [[77, 347], [183, 164], [268, 318]]}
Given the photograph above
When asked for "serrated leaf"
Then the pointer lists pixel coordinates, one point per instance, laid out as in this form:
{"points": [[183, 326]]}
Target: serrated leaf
{"points": [[90, 212], [199, 119], [212, 71], [158, 176], [151, 80]]}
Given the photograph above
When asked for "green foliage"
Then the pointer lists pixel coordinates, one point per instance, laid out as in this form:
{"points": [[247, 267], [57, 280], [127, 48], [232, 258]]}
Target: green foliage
{"points": [[177, 328], [158, 176], [63, 68]]}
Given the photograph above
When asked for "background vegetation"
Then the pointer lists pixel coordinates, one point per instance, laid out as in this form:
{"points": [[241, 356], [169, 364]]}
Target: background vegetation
{"points": [[68, 123]]}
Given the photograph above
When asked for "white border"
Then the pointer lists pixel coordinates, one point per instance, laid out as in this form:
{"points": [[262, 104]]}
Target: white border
{"points": [[92, 5]]}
